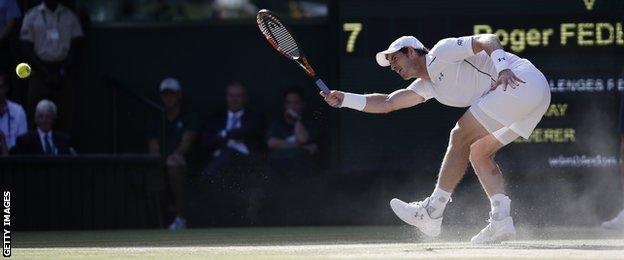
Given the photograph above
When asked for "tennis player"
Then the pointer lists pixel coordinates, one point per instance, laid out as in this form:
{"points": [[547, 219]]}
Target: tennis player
{"points": [[507, 96]]}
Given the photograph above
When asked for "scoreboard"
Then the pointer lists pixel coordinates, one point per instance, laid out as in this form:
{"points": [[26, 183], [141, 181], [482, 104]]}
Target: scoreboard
{"points": [[577, 44]]}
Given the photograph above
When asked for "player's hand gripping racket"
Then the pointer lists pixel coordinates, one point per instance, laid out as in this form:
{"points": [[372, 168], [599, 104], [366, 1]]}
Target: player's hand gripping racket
{"points": [[282, 40]]}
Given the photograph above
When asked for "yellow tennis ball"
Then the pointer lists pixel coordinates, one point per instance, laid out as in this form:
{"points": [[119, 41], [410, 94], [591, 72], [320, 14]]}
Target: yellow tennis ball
{"points": [[23, 70]]}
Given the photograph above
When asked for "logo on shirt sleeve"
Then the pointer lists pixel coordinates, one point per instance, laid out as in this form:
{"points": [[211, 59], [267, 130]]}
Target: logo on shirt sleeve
{"points": [[460, 42]]}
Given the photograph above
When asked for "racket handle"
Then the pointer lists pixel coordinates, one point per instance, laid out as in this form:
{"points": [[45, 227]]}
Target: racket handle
{"points": [[322, 86]]}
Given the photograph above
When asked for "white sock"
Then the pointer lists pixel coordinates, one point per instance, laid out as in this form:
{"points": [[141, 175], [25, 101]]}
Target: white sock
{"points": [[437, 202], [500, 206]]}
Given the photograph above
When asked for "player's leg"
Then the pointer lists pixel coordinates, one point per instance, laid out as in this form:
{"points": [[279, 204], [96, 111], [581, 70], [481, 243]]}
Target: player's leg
{"points": [[482, 159], [427, 214], [455, 162], [520, 109], [482, 154]]}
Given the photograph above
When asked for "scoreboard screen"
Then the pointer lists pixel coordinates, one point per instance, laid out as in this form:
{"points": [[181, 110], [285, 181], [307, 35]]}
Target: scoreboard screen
{"points": [[577, 44]]}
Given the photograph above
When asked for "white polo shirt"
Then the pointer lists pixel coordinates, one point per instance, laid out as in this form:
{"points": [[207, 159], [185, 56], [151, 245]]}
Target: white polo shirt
{"points": [[458, 77], [13, 123], [50, 31]]}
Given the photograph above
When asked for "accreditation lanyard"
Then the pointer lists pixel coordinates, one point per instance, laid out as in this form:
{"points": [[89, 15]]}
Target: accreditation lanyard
{"points": [[52, 33]]}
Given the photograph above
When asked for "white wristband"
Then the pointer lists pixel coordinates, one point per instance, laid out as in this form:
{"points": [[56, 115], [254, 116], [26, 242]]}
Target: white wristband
{"points": [[500, 60], [354, 101]]}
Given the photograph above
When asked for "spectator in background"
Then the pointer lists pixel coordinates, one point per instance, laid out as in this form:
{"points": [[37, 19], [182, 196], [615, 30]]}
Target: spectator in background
{"points": [[291, 139], [12, 118], [50, 34], [9, 13], [233, 135], [180, 133], [44, 141]]}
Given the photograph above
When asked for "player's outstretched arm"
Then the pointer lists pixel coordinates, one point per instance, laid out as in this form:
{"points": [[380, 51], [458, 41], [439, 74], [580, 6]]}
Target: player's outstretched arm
{"points": [[374, 103]]}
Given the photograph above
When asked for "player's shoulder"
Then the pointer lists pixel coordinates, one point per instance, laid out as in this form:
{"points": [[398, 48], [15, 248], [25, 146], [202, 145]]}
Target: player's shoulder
{"points": [[452, 42], [445, 41]]}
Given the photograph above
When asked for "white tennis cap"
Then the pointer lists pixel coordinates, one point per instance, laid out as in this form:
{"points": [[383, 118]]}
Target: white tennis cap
{"points": [[396, 45], [170, 84]]}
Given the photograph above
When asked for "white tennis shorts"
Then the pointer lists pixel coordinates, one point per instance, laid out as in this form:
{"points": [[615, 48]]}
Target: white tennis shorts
{"points": [[518, 110]]}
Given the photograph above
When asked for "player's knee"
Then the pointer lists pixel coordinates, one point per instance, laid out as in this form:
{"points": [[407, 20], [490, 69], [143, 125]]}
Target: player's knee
{"points": [[473, 157], [479, 153], [459, 137]]}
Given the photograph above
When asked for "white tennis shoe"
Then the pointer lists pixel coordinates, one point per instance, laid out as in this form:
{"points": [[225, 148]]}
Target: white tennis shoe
{"points": [[496, 232], [615, 223], [416, 214]]}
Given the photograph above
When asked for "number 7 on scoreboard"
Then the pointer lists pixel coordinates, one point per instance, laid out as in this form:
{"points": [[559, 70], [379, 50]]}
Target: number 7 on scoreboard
{"points": [[355, 29]]}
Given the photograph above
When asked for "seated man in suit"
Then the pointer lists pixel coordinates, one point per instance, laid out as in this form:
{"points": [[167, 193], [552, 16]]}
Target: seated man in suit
{"points": [[234, 135], [292, 137], [43, 140]]}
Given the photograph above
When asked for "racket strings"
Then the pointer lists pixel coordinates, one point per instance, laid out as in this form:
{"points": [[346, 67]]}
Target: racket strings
{"points": [[285, 41]]}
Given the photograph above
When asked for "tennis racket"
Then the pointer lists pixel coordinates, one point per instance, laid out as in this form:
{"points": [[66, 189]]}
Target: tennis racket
{"points": [[283, 41]]}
